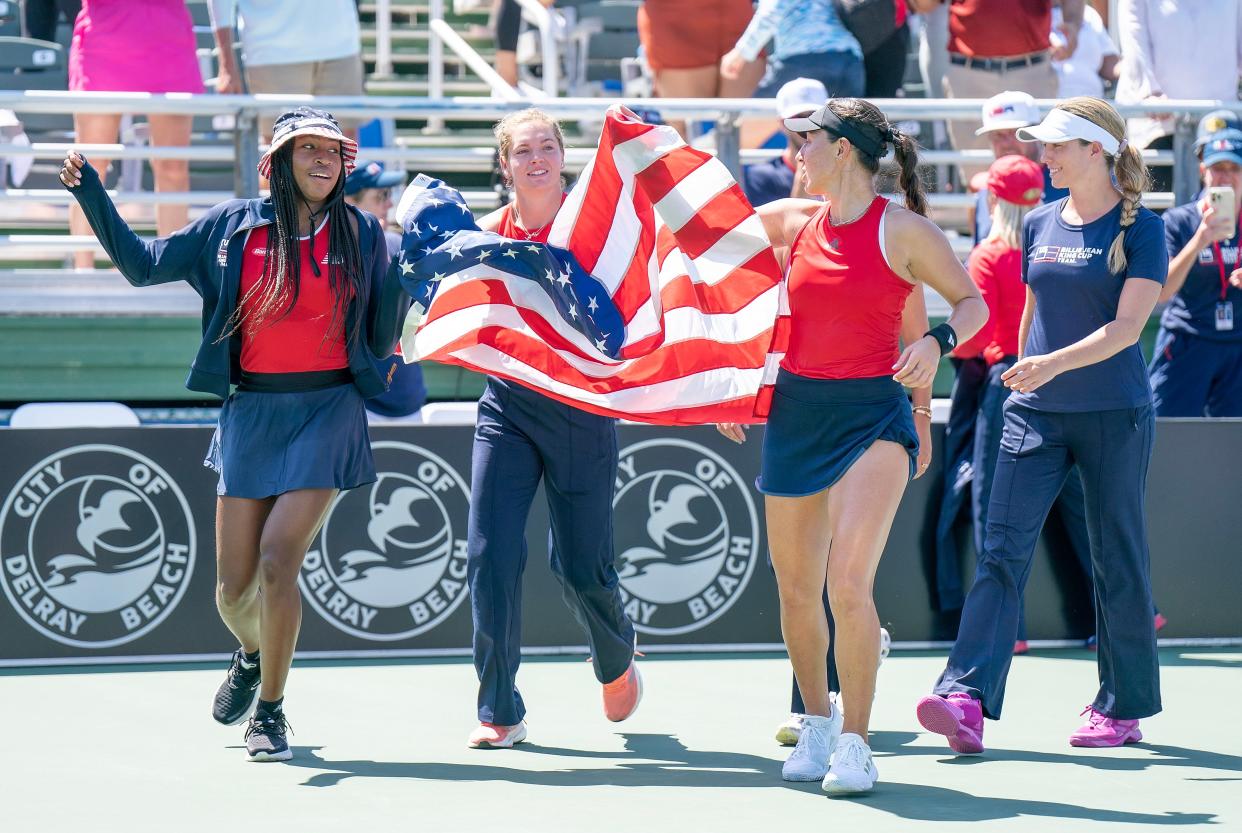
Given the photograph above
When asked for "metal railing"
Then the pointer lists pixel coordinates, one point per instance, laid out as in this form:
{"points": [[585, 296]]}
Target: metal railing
{"points": [[724, 113]]}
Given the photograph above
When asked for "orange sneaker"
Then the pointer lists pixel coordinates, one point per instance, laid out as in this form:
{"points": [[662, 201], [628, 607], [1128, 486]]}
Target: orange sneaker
{"points": [[491, 736], [622, 695]]}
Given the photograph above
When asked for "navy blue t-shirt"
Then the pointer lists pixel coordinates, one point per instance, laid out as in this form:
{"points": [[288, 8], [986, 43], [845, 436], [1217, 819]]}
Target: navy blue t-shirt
{"points": [[767, 181], [1193, 309], [1066, 266], [983, 217]]}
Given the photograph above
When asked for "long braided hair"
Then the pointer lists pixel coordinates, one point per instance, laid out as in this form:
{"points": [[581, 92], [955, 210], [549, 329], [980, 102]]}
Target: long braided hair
{"points": [[1128, 168], [276, 293]]}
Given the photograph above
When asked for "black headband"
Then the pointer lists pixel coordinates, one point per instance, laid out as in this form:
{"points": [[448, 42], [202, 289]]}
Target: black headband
{"points": [[858, 133]]}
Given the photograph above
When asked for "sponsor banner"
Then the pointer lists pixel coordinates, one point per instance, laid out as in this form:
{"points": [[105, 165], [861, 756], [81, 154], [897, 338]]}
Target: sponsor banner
{"points": [[107, 547]]}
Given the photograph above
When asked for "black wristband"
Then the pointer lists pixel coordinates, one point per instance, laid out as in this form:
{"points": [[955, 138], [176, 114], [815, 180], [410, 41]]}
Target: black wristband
{"points": [[945, 337]]}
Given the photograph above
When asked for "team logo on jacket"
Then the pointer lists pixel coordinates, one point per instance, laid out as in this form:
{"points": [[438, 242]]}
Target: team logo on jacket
{"points": [[390, 561], [691, 549], [97, 544]]}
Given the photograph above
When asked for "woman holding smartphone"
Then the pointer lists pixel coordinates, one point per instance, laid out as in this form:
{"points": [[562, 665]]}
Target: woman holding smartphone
{"points": [[1197, 367], [1093, 264]]}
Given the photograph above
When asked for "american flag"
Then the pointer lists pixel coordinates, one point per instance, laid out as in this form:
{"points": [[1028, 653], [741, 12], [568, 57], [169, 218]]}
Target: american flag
{"points": [[656, 298]]}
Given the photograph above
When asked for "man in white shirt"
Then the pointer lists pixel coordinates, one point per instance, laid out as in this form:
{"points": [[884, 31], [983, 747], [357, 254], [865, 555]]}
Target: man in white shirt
{"points": [[308, 47], [1175, 49]]}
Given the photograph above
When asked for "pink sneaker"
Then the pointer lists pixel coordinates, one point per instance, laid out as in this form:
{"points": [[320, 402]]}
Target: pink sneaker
{"points": [[493, 736], [622, 695], [1102, 731], [959, 717], [1021, 647]]}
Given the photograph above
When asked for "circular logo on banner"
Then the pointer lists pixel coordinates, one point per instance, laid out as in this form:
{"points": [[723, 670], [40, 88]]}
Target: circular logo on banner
{"points": [[688, 542], [97, 544], [390, 561]]}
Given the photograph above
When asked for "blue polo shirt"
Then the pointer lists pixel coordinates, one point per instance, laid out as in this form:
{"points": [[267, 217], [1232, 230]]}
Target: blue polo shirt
{"points": [[1066, 266], [983, 217], [1193, 309], [767, 182]]}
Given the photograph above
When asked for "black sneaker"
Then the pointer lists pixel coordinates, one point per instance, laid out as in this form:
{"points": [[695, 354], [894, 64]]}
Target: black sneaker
{"points": [[238, 693], [265, 737]]}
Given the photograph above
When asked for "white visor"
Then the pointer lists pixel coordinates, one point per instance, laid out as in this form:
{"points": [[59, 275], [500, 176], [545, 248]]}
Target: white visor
{"points": [[1062, 125]]}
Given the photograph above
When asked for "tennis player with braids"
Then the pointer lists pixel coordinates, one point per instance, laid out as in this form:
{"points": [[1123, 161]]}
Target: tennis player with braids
{"points": [[841, 441], [1093, 264], [295, 301]]}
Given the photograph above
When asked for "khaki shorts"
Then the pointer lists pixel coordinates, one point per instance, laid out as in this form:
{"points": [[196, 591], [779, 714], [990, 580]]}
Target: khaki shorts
{"points": [[340, 76]]}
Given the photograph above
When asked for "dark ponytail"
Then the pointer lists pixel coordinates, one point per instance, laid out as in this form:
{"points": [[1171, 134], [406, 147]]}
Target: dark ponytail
{"points": [[907, 153], [866, 117]]}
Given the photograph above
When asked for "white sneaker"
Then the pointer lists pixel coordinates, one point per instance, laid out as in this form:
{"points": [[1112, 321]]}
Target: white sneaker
{"points": [[809, 760], [787, 733], [853, 770], [886, 644]]}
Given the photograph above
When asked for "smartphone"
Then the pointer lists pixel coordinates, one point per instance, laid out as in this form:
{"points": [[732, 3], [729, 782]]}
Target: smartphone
{"points": [[1221, 198]]}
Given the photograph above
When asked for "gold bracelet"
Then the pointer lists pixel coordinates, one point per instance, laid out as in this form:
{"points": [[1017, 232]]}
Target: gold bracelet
{"points": [[924, 410]]}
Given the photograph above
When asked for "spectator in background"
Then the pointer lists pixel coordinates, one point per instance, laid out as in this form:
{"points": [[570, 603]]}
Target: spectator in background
{"points": [[1197, 367], [507, 15], [1175, 49], [885, 65], [1093, 62], [809, 41], [774, 180], [995, 46], [310, 47], [43, 16], [684, 41], [369, 188], [135, 47], [1003, 115]]}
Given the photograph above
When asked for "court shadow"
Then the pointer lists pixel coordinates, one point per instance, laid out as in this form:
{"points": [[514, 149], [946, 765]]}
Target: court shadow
{"points": [[1101, 759], [647, 760], [922, 802]]}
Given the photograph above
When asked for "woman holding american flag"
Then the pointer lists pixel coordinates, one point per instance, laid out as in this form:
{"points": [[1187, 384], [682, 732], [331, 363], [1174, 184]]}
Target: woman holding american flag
{"points": [[521, 437], [841, 441]]}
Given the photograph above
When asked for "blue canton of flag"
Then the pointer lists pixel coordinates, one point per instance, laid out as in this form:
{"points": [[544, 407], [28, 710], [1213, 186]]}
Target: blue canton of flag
{"points": [[441, 242]]}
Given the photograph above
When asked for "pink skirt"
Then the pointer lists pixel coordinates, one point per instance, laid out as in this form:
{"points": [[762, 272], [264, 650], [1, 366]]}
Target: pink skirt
{"points": [[129, 46]]}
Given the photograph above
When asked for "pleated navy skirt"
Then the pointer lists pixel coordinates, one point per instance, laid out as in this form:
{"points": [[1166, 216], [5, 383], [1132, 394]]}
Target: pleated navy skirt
{"points": [[818, 428], [270, 443]]}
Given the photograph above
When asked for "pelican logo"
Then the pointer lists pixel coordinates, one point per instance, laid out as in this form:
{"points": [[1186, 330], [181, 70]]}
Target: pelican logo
{"points": [[98, 546], [390, 561], [692, 558]]}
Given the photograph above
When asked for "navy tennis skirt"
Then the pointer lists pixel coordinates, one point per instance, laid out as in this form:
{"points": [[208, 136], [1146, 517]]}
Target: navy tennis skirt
{"points": [[819, 427], [270, 443]]}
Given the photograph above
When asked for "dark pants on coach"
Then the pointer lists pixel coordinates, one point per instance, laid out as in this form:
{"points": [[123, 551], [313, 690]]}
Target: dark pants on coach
{"points": [[522, 437], [1112, 450], [1070, 502]]}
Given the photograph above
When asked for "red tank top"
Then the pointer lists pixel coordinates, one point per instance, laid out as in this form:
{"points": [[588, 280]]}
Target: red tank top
{"points": [[508, 228], [294, 343], [845, 302]]}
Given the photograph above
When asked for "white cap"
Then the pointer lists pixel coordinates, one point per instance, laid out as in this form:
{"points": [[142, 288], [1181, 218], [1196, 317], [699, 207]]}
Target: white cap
{"points": [[800, 96], [1007, 111]]}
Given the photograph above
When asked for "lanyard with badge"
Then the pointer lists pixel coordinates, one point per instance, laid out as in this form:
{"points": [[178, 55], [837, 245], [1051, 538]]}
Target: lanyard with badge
{"points": [[1224, 307]]}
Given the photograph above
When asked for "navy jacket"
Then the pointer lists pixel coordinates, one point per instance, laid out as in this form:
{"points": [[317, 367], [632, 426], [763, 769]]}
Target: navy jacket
{"points": [[207, 254]]}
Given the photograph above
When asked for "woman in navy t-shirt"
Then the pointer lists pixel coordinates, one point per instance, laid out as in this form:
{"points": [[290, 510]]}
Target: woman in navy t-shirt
{"points": [[1093, 264]]}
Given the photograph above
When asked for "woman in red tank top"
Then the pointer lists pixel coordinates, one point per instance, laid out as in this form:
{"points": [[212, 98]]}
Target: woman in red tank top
{"points": [[841, 442]]}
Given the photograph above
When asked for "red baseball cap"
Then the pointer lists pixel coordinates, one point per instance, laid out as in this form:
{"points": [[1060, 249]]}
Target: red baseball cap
{"points": [[1017, 179]]}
